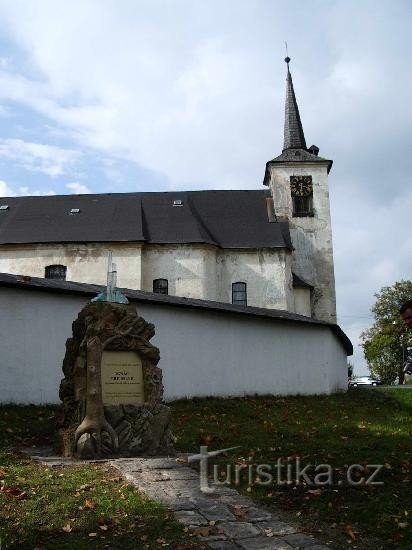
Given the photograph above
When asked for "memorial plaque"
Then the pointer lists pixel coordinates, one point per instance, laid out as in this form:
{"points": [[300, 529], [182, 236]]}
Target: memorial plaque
{"points": [[122, 378]]}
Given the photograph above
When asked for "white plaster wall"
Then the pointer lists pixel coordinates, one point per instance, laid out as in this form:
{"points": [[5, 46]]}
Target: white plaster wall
{"points": [[202, 352], [266, 272], [190, 269], [34, 327], [302, 301], [193, 271], [312, 236], [86, 263]]}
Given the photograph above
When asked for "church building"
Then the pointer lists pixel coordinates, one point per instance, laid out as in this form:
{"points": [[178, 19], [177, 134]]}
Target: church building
{"points": [[267, 248]]}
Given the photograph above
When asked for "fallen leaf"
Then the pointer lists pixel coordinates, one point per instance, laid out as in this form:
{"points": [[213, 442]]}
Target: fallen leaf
{"points": [[239, 511], [89, 504], [67, 528], [85, 487], [92, 534], [3, 473], [205, 439], [314, 492], [16, 493], [207, 531], [349, 531]]}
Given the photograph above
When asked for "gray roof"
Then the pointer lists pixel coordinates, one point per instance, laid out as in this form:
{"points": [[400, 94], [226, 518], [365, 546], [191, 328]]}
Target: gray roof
{"points": [[293, 156], [300, 283], [294, 145], [90, 290], [227, 219], [294, 138]]}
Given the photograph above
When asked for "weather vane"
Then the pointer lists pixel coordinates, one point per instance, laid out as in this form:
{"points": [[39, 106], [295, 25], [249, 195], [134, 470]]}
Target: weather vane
{"points": [[287, 58]]}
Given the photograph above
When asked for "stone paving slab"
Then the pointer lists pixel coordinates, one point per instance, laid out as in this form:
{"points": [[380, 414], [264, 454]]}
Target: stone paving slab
{"points": [[239, 530], [302, 541], [191, 518], [223, 545], [224, 519], [261, 543], [275, 527]]}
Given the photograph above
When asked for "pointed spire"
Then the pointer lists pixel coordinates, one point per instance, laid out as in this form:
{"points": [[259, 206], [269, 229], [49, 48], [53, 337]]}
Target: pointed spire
{"points": [[294, 138]]}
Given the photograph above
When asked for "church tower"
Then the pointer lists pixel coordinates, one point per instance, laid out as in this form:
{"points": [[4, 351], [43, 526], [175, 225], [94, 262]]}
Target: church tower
{"points": [[298, 180]]}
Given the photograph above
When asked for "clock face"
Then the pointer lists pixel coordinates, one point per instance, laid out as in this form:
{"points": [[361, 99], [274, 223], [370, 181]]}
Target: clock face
{"points": [[301, 186]]}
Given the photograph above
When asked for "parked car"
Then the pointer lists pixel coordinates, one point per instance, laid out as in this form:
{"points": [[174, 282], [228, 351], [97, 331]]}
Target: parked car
{"points": [[363, 381]]}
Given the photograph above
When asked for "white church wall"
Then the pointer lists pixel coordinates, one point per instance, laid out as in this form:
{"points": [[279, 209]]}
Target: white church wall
{"points": [[86, 263], [202, 352], [311, 236], [266, 272], [189, 269], [302, 301]]}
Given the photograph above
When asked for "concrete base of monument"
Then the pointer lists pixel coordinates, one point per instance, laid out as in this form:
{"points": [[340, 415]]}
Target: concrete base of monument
{"points": [[140, 431]]}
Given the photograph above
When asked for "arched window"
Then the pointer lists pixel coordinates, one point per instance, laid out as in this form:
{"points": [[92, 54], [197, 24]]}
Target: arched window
{"points": [[239, 294], [161, 286], [56, 272]]}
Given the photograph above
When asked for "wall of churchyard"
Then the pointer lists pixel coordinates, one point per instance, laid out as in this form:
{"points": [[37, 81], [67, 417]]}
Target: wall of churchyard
{"points": [[203, 352], [85, 262], [311, 236]]}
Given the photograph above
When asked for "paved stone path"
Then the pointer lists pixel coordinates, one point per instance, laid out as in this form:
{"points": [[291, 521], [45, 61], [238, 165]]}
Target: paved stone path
{"points": [[222, 520]]}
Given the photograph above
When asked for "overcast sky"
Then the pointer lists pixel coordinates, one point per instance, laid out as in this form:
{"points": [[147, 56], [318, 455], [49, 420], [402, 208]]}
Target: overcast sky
{"points": [[115, 96]]}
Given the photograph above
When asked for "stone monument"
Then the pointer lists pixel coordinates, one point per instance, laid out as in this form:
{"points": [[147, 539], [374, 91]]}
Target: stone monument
{"points": [[112, 389]]}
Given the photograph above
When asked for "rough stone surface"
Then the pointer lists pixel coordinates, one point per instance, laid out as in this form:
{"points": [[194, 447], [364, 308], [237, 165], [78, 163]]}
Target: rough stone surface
{"points": [[301, 541], [261, 543], [223, 545], [239, 529], [190, 517], [88, 427], [276, 527]]}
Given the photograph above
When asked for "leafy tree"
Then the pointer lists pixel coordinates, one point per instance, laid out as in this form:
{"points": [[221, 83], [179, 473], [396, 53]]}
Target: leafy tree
{"points": [[384, 344], [350, 369]]}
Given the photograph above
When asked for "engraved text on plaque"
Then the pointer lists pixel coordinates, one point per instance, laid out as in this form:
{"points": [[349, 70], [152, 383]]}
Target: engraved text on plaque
{"points": [[122, 378]]}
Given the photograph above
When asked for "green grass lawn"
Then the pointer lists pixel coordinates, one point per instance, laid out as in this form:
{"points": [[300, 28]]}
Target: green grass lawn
{"points": [[361, 427], [90, 507], [72, 508]]}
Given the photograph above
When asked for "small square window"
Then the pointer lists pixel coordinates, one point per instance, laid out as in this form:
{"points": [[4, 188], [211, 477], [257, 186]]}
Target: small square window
{"points": [[161, 286], [56, 272]]}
